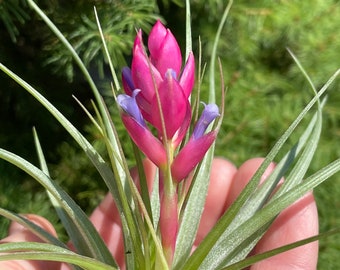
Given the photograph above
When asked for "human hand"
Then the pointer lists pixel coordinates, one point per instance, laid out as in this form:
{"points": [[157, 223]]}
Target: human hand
{"points": [[297, 222]]}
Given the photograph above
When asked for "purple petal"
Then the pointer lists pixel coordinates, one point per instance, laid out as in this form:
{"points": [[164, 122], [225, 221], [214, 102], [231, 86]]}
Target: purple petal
{"points": [[191, 154], [209, 113], [127, 81], [129, 105]]}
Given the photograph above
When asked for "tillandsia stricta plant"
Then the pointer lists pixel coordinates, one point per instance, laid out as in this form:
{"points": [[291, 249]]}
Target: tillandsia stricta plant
{"points": [[158, 91], [159, 223]]}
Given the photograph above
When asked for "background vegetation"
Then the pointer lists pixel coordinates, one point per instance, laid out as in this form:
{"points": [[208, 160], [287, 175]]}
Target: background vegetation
{"points": [[266, 90]]}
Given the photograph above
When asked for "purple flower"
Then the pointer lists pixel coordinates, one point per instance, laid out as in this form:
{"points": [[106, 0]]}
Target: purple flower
{"points": [[209, 113], [129, 105]]}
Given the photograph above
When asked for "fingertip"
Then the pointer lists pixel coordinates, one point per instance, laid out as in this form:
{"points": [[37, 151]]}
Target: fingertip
{"points": [[297, 222], [243, 175], [19, 233], [38, 220], [105, 212]]}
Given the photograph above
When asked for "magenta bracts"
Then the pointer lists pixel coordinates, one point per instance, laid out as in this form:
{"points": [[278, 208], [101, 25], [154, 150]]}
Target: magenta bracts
{"points": [[157, 91]]}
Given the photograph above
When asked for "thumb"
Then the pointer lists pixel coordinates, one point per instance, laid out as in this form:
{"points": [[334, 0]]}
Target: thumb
{"points": [[18, 233]]}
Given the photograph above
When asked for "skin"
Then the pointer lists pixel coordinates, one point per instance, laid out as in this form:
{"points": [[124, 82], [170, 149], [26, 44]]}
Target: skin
{"points": [[297, 222]]}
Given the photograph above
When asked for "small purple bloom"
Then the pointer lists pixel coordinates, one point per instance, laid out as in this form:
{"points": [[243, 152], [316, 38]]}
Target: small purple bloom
{"points": [[129, 105], [127, 81], [209, 113]]}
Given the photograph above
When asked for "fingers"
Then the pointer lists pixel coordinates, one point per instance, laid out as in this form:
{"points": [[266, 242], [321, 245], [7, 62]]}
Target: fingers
{"points": [[226, 182], [243, 175], [18, 233], [222, 173], [297, 222]]}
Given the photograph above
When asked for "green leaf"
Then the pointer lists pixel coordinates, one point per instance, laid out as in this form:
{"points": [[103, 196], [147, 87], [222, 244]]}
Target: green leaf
{"points": [[214, 51], [67, 221], [37, 230], [188, 38], [113, 72], [277, 205], [47, 252], [192, 210], [260, 196]]}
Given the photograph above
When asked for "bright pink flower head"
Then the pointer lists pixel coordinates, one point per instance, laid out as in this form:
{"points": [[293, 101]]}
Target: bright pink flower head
{"points": [[157, 91], [161, 72]]}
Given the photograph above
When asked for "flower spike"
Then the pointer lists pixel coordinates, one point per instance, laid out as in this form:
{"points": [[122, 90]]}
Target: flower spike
{"points": [[157, 91]]}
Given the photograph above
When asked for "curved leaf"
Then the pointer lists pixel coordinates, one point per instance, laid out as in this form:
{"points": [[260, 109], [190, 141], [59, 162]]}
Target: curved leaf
{"points": [[47, 252]]}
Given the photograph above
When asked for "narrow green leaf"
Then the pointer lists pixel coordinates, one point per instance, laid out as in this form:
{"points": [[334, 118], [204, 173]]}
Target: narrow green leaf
{"points": [[212, 92], [126, 198], [223, 255], [106, 117], [37, 230], [132, 237], [154, 200], [188, 39], [241, 251], [192, 211], [260, 196], [116, 187], [93, 155], [47, 252], [78, 61], [93, 121], [69, 225], [113, 72]]}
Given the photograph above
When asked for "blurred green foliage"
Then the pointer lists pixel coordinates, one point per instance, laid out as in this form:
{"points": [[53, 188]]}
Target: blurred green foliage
{"points": [[266, 90]]}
